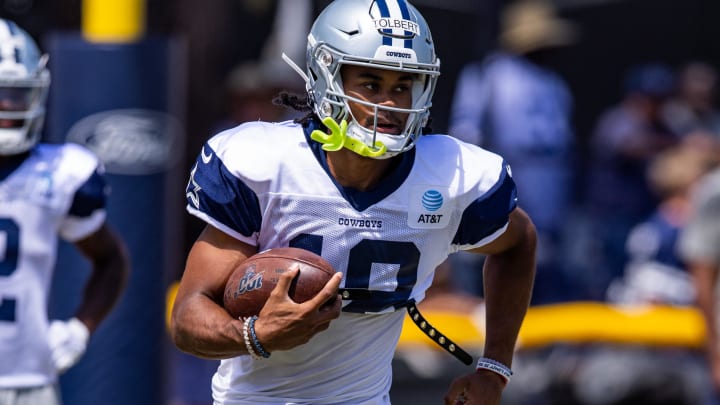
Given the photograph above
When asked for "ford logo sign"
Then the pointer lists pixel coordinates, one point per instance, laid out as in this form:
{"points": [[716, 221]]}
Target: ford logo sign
{"points": [[131, 141]]}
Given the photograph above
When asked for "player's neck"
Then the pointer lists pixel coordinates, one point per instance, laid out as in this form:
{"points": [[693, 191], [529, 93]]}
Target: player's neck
{"points": [[359, 172]]}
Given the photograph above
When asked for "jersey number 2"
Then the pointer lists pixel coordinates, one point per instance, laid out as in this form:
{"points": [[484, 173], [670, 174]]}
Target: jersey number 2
{"points": [[9, 249]]}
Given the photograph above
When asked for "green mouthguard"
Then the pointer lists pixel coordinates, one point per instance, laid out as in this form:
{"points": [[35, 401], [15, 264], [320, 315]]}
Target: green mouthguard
{"points": [[337, 139]]}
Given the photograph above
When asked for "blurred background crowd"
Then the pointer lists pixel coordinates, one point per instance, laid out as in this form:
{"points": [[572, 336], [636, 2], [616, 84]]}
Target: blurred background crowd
{"points": [[606, 110]]}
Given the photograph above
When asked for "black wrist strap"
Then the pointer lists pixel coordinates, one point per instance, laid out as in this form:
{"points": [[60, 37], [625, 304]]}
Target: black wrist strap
{"points": [[442, 340], [425, 326]]}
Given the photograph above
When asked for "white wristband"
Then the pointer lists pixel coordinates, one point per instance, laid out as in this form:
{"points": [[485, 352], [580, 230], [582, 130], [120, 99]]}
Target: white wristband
{"points": [[495, 366], [246, 338]]}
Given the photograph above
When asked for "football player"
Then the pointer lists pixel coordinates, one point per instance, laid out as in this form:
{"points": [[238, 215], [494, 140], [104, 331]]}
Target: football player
{"points": [[357, 182], [47, 192]]}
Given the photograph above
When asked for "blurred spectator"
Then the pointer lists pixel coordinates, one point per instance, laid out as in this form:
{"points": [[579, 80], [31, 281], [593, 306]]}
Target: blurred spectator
{"points": [[249, 91], [615, 374], [626, 138], [699, 245], [513, 103], [624, 374], [693, 109], [655, 274]]}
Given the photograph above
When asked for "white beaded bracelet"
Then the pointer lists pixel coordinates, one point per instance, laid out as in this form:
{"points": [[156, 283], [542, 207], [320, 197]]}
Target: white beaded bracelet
{"points": [[246, 337], [495, 366]]}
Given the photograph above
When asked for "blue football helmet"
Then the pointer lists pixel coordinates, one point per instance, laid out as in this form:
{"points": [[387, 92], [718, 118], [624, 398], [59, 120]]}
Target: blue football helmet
{"points": [[384, 34], [24, 83]]}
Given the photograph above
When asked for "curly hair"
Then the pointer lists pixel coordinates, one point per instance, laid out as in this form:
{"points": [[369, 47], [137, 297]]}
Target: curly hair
{"points": [[297, 102]]}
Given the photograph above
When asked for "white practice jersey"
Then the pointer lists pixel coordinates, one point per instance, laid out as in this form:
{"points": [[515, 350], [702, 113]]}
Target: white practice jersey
{"points": [[269, 185], [56, 192]]}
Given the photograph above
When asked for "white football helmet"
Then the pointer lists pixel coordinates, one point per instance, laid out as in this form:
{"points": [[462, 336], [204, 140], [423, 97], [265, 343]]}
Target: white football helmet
{"points": [[24, 82], [385, 34]]}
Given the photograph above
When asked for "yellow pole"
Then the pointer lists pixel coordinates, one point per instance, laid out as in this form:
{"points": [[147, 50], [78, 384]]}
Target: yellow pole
{"points": [[113, 21]]}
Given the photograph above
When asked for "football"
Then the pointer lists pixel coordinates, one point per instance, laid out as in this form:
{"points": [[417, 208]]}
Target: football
{"points": [[250, 284]]}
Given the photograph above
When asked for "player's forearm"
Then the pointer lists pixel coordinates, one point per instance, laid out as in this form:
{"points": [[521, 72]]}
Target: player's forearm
{"points": [[202, 328], [508, 286], [104, 288]]}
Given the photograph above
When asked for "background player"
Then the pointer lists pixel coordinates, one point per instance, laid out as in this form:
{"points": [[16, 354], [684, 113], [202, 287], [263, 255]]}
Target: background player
{"points": [[371, 64], [47, 192]]}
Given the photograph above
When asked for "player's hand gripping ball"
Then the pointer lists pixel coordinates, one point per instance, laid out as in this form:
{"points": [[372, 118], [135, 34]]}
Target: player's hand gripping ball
{"points": [[249, 285]]}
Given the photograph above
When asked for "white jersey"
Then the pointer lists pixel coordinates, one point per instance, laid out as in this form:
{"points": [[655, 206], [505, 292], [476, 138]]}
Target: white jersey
{"points": [[55, 192], [269, 185]]}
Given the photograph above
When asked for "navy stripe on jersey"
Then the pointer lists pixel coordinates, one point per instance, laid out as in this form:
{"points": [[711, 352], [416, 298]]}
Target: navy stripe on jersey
{"points": [[213, 190], [488, 213], [91, 196], [361, 200]]}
